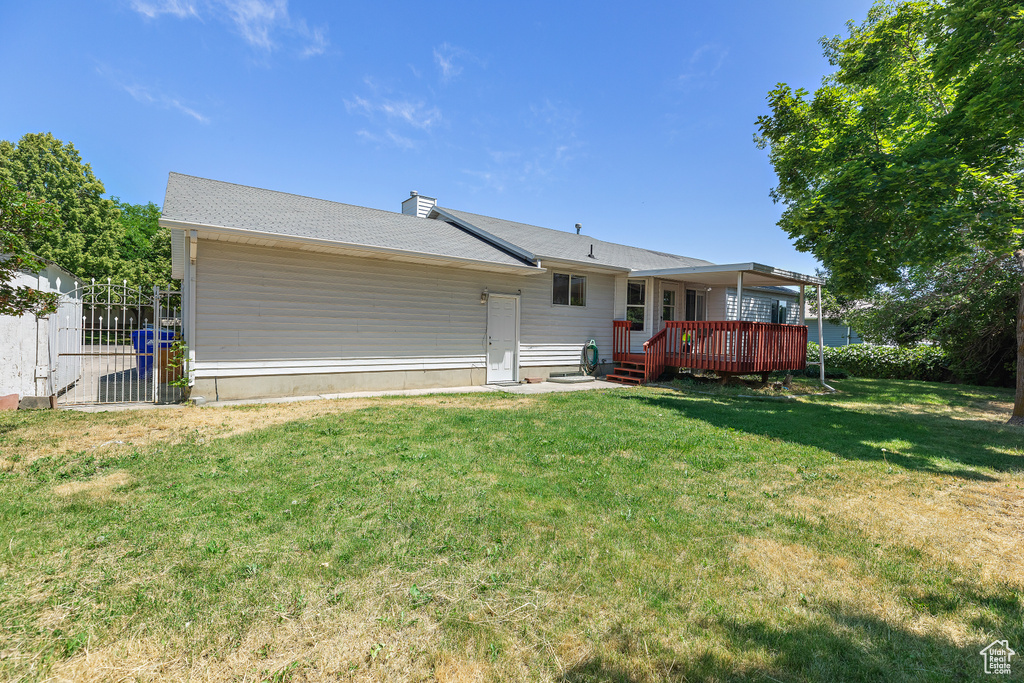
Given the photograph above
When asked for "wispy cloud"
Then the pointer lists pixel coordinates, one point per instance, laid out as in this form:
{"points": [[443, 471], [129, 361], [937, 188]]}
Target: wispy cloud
{"points": [[550, 145], [447, 58], [316, 39], [255, 19], [415, 114], [176, 8], [389, 138], [263, 24], [151, 95], [703, 65], [147, 96]]}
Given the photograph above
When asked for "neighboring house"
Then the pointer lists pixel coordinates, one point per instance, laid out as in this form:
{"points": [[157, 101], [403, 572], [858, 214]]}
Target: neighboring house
{"points": [[289, 295], [834, 331], [28, 340]]}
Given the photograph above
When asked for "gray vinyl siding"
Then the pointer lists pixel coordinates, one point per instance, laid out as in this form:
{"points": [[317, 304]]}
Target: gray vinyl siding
{"points": [[716, 304], [757, 306], [835, 334], [295, 307], [178, 239]]}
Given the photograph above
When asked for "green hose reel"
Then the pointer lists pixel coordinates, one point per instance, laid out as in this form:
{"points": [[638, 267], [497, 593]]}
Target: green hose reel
{"points": [[589, 363]]}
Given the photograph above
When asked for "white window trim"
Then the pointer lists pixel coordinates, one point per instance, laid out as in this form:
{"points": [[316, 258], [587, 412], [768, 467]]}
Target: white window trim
{"points": [[586, 289], [646, 305]]}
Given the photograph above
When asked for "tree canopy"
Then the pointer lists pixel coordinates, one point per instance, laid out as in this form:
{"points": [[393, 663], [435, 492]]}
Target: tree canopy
{"points": [[97, 237], [966, 305], [23, 219], [910, 154]]}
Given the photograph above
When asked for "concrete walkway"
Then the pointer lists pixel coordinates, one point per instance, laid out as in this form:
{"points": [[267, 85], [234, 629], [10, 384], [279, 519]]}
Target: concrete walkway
{"points": [[540, 388]]}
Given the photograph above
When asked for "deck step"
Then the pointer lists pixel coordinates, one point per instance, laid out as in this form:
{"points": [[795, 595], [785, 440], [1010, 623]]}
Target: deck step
{"points": [[624, 379]]}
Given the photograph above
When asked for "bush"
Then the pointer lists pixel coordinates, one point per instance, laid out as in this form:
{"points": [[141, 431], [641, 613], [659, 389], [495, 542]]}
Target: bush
{"points": [[925, 363]]}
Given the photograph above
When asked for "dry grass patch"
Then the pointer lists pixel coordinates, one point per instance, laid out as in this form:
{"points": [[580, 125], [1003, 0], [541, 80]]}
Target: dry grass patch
{"points": [[805, 579], [99, 489], [121, 430], [796, 571], [990, 411], [976, 525], [326, 642]]}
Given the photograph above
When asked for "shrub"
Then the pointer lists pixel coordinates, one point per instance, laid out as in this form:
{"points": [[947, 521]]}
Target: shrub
{"points": [[925, 363]]}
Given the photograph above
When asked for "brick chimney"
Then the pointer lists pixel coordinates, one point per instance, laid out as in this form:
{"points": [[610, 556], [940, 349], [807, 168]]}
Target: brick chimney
{"points": [[418, 205]]}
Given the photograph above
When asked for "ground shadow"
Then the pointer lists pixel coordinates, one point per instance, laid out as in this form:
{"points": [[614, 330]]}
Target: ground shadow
{"points": [[852, 434], [832, 643]]}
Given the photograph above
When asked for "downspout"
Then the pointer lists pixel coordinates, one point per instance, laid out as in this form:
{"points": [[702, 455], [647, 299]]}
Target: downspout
{"points": [[821, 346], [190, 335], [35, 366]]}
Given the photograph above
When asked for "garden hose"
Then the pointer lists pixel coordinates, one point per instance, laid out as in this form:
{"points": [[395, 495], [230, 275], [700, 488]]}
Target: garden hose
{"points": [[588, 365]]}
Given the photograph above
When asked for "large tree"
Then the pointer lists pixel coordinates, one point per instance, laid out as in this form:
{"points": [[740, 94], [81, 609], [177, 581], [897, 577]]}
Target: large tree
{"points": [[910, 154], [99, 237], [87, 242], [23, 219], [145, 248], [967, 306]]}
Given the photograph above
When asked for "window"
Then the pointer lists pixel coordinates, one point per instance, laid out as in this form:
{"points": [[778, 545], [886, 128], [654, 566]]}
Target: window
{"points": [[569, 290], [668, 305], [695, 305], [780, 311], [636, 304]]}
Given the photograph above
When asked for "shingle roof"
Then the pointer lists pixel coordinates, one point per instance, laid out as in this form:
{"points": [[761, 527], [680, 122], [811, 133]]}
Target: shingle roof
{"points": [[557, 244], [211, 202]]}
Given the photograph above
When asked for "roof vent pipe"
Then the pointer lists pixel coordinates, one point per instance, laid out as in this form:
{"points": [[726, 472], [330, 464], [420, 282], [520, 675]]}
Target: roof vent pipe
{"points": [[579, 226], [591, 254]]}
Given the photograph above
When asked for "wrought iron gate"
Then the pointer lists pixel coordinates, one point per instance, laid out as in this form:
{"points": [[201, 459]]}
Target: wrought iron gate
{"points": [[112, 343]]}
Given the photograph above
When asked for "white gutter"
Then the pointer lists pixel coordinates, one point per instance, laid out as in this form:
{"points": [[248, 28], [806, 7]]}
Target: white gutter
{"points": [[752, 267], [262, 234], [590, 265]]}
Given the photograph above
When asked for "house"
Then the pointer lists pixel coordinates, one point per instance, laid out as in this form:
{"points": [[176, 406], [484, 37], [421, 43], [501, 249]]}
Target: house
{"points": [[29, 343], [289, 295], [834, 332]]}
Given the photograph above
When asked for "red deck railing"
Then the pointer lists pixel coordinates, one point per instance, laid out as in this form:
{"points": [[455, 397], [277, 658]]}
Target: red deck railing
{"points": [[620, 339], [718, 345], [735, 346], [654, 355]]}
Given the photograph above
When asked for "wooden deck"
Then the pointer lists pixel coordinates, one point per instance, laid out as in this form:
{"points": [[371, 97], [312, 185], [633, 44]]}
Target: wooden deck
{"points": [[729, 347]]}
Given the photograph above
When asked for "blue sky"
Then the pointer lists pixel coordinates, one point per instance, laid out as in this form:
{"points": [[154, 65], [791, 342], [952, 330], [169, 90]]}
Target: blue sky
{"points": [[635, 120]]}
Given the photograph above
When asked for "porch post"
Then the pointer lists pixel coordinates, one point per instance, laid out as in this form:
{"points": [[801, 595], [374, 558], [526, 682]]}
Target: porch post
{"points": [[801, 318], [821, 345], [739, 296]]}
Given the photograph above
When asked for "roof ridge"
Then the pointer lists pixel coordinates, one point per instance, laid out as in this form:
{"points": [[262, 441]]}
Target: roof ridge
{"points": [[569, 234], [292, 194]]}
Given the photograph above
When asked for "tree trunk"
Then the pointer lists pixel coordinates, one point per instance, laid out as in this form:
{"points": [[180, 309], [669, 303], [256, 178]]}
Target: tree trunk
{"points": [[1018, 405]]}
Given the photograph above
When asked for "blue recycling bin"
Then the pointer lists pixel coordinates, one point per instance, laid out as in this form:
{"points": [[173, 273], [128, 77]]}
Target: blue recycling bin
{"points": [[142, 340]]}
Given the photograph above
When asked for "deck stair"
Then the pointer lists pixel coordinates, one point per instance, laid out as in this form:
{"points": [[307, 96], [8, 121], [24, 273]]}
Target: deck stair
{"points": [[628, 370]]}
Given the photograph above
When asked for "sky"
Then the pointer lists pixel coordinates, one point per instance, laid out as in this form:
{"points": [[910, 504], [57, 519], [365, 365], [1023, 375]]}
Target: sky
{"points": [[634, 119]]}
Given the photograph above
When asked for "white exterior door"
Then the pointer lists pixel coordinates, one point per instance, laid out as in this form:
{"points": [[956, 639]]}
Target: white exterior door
{"points": [[502, 338], [669, 303]]}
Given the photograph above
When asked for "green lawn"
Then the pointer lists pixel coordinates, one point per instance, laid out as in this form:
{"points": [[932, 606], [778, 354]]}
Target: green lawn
{"points": [[625, 535]]}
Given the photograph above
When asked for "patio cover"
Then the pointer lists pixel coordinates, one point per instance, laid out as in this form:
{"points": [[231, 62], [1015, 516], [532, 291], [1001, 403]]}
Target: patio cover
{"points": [[754, 275], [748, 275]]}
